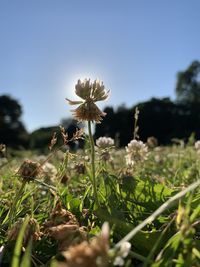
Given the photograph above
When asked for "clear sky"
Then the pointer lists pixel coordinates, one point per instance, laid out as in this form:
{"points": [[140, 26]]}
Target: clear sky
{"points": [[135, 47]]}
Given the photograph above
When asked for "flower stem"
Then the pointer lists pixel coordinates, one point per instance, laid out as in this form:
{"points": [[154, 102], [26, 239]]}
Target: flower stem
{"points": [[14, 204], [93, 163]]}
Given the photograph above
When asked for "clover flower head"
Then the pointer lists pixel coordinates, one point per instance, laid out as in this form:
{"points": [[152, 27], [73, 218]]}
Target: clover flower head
{"points": [[49, 171], [89, 93], [197, 146], [136, 151], [122, 253], [125, 249], [104, 142]]}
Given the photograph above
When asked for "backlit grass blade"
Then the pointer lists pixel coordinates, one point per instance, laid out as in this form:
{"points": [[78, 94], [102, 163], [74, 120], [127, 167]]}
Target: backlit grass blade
{"points": [[26, 260], [18, 245]]}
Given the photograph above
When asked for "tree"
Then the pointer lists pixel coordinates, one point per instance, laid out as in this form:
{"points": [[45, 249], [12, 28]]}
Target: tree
{"points": [[188, 84], [160, 118], [117, 124], [40, 139], [12, 130], [163, 119]]}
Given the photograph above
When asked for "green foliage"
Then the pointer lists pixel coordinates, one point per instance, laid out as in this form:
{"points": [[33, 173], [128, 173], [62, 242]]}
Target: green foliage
{"points": [[12, 130], [188, 84]]}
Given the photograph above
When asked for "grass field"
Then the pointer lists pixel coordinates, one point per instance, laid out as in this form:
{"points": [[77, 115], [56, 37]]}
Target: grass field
{"points": [[52, 213]]}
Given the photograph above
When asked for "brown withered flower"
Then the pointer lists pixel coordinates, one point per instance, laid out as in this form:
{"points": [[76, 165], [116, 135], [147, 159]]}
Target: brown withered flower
{"points": [[2, 150], [93, 253], [90, 93], [152, 142], [80, 168], [29, 170], [64, 227], [65, 179], [32, 230]]}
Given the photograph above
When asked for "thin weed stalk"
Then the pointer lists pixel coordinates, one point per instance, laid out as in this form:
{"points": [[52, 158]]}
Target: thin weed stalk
{"points": [[136, 127], [93, 164]]}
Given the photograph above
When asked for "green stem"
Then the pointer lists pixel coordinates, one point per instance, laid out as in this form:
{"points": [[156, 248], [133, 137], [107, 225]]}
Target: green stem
{"points": [[93, 163], [13, 208]]}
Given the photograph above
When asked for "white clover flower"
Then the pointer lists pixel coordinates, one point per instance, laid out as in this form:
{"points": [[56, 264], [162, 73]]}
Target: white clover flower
{"points": [[197, 146], [136, 151], [122, 253], [104, 142], [119, 261], [49, 171], [125, 249]]}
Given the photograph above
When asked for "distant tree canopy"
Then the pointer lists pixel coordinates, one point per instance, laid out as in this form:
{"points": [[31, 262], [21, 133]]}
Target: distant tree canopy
{"points": [[12, 130], [117, 124], [188, 84], [40, 139], [164, 120], [160, 118]]}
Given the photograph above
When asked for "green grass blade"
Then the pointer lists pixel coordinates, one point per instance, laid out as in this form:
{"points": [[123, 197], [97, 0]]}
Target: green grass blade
{"points": [[26, 260], [18, 245]]}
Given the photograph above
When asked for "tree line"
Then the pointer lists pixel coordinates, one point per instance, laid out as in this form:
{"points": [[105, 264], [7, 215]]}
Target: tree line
{"points": [[162, 118]]}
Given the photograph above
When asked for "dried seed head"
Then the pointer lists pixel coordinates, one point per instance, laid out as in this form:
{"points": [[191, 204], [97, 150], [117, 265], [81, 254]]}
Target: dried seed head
{"points": [[32, 230], [105, 156], [60, 215], [93, 253], [29, 170], [53, 141], [78, 134], [152, 142], [136, 115], [2, 150], [80, 168], [65, 179], [64, 135], [64, 227]]}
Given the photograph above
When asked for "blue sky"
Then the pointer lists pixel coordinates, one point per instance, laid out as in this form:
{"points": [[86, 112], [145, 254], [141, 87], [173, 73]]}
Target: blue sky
{"points": [[135, 47]]}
